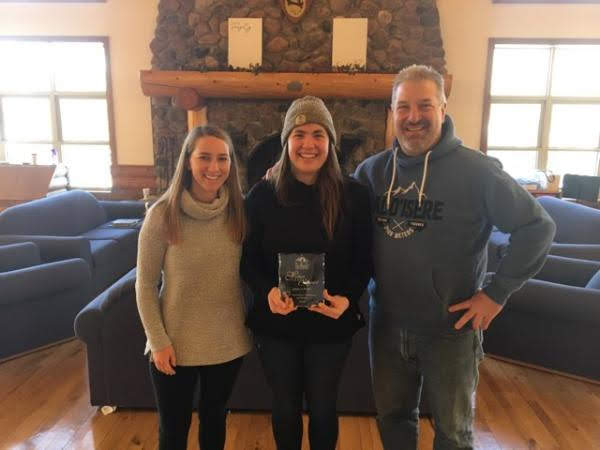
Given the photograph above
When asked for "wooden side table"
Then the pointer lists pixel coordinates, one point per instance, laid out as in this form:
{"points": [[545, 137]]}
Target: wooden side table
{"points": [[537, 193], [20, 183]]}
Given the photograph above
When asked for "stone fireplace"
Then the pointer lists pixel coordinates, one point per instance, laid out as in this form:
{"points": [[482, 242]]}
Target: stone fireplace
{"points": [[190, 82]]}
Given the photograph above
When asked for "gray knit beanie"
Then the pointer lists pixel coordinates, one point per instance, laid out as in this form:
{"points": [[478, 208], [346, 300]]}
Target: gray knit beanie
{"points": [[304, 110]]}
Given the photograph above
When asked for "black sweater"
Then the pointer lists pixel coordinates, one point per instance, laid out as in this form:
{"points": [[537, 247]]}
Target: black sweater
{"points": [[298, 228]]}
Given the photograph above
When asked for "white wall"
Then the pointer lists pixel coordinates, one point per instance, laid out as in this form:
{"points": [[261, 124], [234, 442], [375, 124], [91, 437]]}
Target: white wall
{"points": [[129, 24], [468, 24]]}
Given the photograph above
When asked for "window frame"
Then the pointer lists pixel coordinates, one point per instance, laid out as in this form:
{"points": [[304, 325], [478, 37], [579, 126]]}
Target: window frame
{"points": [[546, 101], [55, 96]]}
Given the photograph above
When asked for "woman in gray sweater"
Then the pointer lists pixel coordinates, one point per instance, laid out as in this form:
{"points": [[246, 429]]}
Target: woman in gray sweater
{"points": [[192, 237]]}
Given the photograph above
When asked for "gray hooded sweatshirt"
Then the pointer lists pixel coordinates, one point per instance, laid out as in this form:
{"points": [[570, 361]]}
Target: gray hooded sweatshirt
{"points": [[433, 218]]}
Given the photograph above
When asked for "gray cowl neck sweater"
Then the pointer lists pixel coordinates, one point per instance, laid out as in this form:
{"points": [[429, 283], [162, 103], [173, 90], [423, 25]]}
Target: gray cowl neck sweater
{"points": [[199, 309]]}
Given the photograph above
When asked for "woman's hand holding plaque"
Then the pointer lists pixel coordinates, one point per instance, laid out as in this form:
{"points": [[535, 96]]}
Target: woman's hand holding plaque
{"points": [[334, 307], [280, 304]]}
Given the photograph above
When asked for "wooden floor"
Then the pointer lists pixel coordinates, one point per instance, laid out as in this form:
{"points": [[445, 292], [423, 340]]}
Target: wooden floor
{"points": [[44, 404]]}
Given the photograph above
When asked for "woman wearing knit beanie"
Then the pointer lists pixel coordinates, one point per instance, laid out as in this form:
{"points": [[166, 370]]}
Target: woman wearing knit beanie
{"points": [[195, 324], [306, 206]]}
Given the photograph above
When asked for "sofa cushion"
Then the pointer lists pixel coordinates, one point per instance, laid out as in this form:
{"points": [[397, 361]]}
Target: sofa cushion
{"points": [[66, 214], [44, 280], [127, 238], [589, 252], [567, 271], [18, 256], [105, 251], [556, 302], [594, 283]]}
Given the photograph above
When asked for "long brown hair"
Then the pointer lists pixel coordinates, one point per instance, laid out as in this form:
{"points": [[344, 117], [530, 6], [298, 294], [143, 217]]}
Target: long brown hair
{"points": [[328, 184], [182, 179]]}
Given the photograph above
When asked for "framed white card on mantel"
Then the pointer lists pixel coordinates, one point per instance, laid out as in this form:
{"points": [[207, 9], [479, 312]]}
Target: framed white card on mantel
{"points": [[245, 42], [349, 42]]}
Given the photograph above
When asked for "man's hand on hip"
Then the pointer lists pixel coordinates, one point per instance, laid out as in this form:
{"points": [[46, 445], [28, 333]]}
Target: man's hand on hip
{"points": [[480, 308]]}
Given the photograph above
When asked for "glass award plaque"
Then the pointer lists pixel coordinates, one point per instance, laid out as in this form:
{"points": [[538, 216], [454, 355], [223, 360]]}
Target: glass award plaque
{"points": [[302, 277]]}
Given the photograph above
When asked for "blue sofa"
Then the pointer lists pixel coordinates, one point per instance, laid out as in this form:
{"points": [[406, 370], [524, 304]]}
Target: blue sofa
{"points": [[74, 224], [118, 373], [39, 301], [577, 232], [553, 321]]}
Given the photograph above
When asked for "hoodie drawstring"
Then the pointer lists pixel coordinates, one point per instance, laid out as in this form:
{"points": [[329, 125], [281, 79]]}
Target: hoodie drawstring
{"points": [[400, 189], [389, 191], [424, 178]]}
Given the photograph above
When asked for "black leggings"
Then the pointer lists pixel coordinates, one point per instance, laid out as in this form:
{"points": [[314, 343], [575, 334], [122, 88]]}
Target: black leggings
{"points": [[293, 369], [175, 401]]}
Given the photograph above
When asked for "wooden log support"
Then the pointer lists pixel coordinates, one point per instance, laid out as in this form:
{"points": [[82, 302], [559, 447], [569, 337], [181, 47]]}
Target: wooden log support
{"points": [[390, 133], [197, 117], [267, 85], [187, 98]]}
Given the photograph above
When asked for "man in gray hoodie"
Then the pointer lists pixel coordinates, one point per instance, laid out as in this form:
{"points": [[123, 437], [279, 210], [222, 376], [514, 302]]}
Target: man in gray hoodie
{"points": [[436, 202]]}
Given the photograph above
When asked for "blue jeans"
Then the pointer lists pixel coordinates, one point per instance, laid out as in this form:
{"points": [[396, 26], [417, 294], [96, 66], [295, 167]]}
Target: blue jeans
{"points": [[448, 363], [294, 368]]}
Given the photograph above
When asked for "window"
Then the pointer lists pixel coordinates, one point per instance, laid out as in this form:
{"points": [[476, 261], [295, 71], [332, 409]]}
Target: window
{"points": [[542, 108], [54, 107]]}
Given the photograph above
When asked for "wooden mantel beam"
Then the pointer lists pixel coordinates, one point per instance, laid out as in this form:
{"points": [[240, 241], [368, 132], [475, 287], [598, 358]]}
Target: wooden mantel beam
{"points": [[268, 85]]}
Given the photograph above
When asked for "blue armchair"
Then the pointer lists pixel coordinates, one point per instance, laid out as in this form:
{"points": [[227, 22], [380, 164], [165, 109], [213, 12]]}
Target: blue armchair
{"points": [[74, 224], [553, 321], [39, 301]]}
